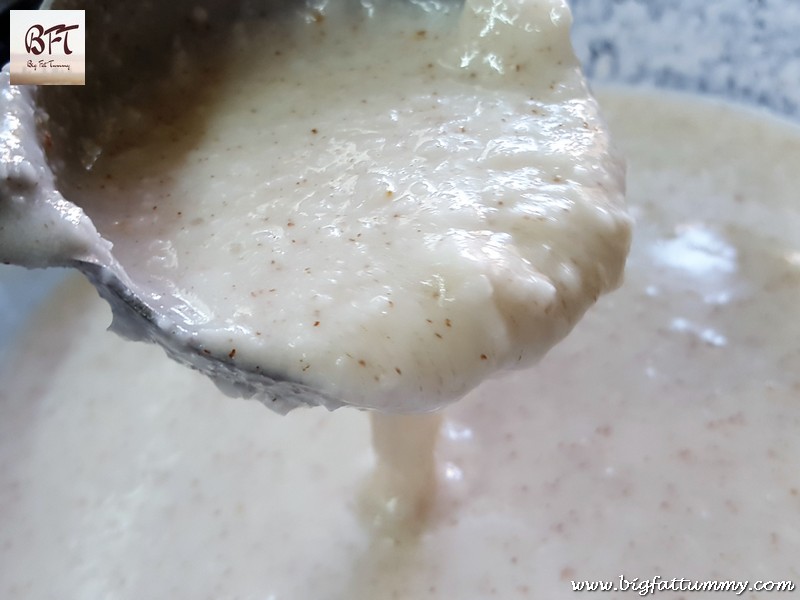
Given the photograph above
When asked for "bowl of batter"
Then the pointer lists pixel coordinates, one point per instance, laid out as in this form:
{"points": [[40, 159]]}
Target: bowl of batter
{"points": [[654, 448]]}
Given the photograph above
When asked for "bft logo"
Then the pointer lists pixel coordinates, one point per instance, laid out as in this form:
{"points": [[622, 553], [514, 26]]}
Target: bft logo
{"points": [[35, 38], [48, 47]]}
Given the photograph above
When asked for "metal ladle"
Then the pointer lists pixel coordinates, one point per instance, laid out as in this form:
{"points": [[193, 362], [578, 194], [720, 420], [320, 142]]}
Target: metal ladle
{"points": [[39, 227]]}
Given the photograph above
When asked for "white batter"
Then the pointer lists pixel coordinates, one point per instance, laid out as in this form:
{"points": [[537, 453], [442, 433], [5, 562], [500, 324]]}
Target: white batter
{"points": [[388, 203], [660, 438]]}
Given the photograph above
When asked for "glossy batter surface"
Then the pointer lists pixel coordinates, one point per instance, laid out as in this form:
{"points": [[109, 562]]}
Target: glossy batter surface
{"points": [[385, 202]]}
